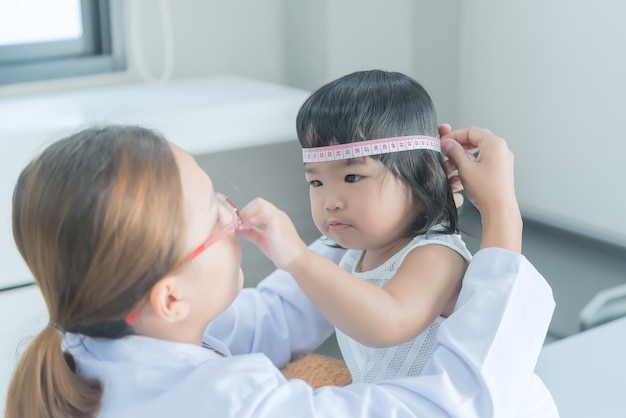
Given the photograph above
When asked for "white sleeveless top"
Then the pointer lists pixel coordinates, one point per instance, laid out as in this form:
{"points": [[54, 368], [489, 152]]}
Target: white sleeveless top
{"points": [[369, 364]]}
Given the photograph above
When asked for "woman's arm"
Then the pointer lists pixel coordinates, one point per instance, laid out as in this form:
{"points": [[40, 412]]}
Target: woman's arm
{"points": [[482, 363]]}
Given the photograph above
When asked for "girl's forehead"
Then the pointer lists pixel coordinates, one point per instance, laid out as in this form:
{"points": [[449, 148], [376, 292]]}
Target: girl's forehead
{"points": [[313, 168]]}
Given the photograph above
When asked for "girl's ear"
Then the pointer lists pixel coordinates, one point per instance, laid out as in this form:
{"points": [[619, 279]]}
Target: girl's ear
{"points": [[167, 301]]}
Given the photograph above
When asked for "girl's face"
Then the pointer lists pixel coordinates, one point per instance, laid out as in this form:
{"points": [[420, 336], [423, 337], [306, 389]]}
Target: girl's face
{"points": [[358, 203], [214, 276]]}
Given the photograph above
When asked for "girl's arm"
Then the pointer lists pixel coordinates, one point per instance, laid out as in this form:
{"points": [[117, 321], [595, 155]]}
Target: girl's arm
{"points": [[275, 318], [424, 285]]}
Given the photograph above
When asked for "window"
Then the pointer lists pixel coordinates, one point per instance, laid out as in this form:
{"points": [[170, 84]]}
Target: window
{"points": [[42, 39]]}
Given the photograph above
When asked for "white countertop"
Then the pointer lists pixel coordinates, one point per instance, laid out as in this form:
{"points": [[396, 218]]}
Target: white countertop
{"points": [[586, 372], [200, 115]]}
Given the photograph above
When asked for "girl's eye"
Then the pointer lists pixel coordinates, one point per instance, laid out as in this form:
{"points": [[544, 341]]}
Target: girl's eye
{"points": [[315, 183], [352, 178]]}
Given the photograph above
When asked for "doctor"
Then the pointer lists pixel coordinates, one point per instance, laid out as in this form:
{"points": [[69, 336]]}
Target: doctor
{"points": [[135, 255]]}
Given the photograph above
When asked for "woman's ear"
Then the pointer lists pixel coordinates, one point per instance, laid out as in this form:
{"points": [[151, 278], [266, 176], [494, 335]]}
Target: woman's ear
{"points": [[167, 301]]}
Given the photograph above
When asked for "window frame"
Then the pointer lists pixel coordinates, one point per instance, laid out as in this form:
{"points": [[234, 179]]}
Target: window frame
{"points": [[100, 50]]}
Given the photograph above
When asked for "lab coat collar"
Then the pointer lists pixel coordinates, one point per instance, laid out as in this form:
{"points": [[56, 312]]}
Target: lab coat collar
{"points": [[144, 376], [139, 349]]}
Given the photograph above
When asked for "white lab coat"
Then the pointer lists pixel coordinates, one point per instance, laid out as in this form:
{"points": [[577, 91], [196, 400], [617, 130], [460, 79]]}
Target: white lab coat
{"points": [[481, 367]]}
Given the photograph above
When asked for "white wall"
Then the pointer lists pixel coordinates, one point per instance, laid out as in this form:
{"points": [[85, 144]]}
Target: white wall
{"points": [[326, 39], [213, 37], [550, 76]]}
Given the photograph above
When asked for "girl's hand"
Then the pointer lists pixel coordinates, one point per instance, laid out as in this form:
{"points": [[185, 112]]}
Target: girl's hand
{"points": [[273, 232]]}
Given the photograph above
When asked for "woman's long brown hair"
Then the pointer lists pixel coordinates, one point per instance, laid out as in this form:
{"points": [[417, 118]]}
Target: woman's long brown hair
{"points": [[97, 217]]}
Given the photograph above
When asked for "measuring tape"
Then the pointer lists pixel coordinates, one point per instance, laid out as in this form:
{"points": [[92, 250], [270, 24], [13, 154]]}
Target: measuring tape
{"points": [[370, 147]]}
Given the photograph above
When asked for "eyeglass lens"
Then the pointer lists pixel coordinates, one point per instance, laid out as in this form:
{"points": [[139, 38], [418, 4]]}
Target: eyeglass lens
{"points": [[231, 208]]}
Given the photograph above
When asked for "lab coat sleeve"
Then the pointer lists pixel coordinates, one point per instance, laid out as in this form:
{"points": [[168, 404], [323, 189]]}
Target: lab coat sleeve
{"points": [[275, 318], [482, 363], [488, 349]]}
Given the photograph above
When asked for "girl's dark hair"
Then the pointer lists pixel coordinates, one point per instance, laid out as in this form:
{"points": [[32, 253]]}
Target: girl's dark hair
{"points": [[97, 218], [379, 104]]}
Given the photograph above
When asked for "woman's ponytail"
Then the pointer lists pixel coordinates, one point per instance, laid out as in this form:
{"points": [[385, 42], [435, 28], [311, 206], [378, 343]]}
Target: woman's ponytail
{"points": [[45, 384]]}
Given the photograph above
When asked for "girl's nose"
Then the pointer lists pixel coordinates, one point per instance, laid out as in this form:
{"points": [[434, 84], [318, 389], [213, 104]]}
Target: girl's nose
{"points": [[333, 203]]}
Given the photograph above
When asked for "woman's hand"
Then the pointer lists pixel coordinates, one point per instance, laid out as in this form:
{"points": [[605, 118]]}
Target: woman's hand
{"points": [[453, 178], [489, 183]]}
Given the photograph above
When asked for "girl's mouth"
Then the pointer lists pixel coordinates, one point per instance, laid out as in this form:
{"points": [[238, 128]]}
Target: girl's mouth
{"points": [[337, 226]]}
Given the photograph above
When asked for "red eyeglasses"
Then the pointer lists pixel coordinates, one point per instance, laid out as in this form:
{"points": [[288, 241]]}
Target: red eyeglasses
{"points": [[229, 217]]}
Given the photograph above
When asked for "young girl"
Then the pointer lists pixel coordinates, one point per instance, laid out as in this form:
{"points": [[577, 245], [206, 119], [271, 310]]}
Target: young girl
{"points": [[389, 202]]}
